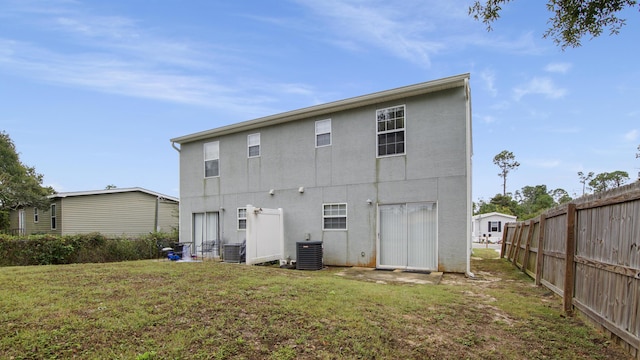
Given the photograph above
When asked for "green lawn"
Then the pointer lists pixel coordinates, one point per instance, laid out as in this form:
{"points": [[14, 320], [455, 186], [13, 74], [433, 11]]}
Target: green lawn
{"points": [[165, 310]]}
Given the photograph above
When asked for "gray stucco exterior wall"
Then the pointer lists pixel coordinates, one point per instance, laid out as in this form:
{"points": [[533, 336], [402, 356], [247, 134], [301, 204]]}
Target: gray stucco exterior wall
{"points": [[435, 168]]}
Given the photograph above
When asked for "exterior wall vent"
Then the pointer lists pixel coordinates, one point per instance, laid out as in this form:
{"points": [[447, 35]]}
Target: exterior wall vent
{"points": [[309, 255]]}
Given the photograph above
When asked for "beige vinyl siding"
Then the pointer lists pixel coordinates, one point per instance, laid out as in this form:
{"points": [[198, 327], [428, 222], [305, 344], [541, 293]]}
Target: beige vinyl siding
{"points": [[167, 215], [127, 213], [121, 212], [43, 226], [13, 220], [59, 218]]}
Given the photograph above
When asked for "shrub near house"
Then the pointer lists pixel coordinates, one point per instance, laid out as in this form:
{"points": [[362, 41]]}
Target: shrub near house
{"points": [[84, 248]]}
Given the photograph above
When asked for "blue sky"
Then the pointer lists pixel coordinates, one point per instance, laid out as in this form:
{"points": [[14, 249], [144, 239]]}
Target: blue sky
{"points": [[92, 91]]}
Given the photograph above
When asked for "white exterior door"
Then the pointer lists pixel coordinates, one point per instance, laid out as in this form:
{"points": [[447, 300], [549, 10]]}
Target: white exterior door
{"points": [[205, 234], [408, 236], [21, 222]]}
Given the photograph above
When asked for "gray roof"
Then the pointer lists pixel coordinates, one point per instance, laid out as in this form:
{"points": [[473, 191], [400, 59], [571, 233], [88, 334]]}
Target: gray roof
{"points": [[112, 191], [318, 110]]}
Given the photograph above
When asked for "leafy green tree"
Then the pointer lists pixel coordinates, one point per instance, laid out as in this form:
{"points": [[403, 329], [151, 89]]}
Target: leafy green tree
{"points": [[534, 200], [504, 204], [527, 203], [571, 20], [606, 181], [584, 179], [506, 161], [561, 196], [20, 185]]}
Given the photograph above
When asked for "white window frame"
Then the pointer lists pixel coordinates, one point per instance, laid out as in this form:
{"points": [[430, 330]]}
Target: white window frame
{"points": [[331, 215], [36, 216], [242, 218], [384, 115], [54, 219], [321, 131], [497, 226], [253, 141], [211, 153]]}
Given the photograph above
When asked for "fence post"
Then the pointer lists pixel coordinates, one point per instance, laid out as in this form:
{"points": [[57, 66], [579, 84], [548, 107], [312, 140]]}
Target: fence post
{"points": [[569, 271], [540, 255]]}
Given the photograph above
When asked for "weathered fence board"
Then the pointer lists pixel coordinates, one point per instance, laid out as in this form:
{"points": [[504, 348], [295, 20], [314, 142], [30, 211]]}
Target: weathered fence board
{"points": [[588, 252]]}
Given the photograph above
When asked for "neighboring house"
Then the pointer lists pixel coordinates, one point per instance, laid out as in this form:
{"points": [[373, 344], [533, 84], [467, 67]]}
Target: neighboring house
{"points": [[489, 226], [383, 180], [113, 212]]}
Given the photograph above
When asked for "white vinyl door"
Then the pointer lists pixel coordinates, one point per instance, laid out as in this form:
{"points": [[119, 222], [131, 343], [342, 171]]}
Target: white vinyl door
{"points": [[408, 236], [205, 234], [393, 236], [21, 222]]}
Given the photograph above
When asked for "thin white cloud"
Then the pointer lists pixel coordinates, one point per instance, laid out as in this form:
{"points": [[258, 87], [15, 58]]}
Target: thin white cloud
{"points": [[108, 74], [563, 130], [501, 105], [487, 119], [524, 44], [632, 135], [545, 163], [539, 86], [98, 26], [489, 79], [126, 38], [374, 24], [117, 55], [561, 68]]}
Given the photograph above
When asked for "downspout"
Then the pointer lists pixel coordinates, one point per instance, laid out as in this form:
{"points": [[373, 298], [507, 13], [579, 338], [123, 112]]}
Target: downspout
{"points": [[173, 145], [469, 154], [155, 220]]}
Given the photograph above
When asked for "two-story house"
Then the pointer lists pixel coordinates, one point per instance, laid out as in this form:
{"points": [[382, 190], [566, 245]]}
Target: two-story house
{"points": [[383, 180]]}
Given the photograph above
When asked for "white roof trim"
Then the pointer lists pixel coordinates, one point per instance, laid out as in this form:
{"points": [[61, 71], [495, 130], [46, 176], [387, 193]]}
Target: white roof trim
{"points": [[319, 110], [482, 216], [112, 191]]}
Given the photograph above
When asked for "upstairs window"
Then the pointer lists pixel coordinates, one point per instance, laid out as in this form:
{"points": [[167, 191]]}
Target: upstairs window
{"points": [[334, 217], [323, 133], [242, 218], [390, 125], [253, 145], [212, 159]]}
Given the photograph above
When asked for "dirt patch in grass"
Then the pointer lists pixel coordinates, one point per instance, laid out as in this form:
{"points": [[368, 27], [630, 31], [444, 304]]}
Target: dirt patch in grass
{"points": [[211, 310]]}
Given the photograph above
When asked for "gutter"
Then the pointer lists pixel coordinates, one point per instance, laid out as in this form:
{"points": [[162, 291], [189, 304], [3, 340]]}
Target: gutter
{"points": [[173, 145]]}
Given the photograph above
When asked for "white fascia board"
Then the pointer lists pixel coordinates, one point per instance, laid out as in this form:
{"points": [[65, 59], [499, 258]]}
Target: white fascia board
{"points": [[486, 215], [112, 191]]}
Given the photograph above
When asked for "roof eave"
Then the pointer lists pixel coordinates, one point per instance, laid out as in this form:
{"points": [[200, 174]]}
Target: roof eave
{"points": [[322, 109], [112, 191]]}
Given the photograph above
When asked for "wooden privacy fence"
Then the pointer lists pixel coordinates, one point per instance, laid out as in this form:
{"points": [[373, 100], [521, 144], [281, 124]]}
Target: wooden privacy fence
{"points": [[588, 252]]}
